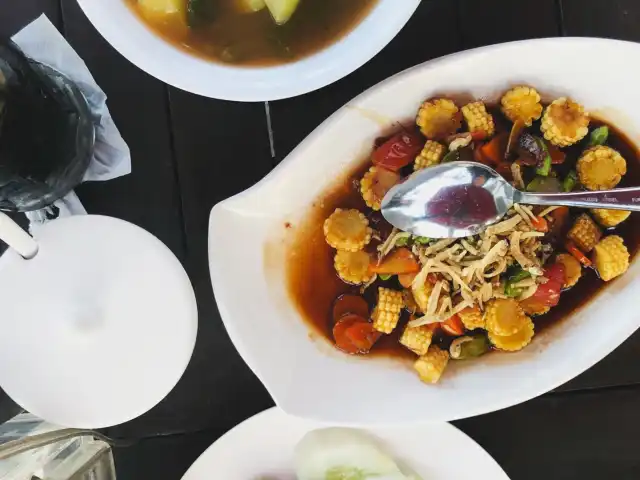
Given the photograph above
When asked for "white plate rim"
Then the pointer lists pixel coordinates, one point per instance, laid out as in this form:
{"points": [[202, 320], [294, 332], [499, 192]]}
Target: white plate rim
{"points": [[275, 416], [246, 84]]}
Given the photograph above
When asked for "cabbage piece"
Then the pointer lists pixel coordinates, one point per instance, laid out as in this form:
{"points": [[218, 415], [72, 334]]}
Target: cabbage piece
{"points": [[344, 454]]}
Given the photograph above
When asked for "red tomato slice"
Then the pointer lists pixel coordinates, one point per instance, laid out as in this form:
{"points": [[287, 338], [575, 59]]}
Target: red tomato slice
{"points": [[363, 336], [399, 151], [555, 273], [548, 294], [349, 303]]}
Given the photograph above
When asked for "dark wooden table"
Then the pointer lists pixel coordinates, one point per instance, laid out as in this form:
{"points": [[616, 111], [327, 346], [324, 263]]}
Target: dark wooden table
{"points": [[186, 153]]}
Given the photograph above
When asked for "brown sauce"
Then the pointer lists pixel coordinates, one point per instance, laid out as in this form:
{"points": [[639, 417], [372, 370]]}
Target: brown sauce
{"points": [[254, 38], [313, 284]]}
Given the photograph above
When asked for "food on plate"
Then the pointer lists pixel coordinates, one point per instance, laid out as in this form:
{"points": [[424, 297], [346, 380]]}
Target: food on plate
{"points": [[375, 184], [516, 341], [572, 269], [611, 257], [386, 313], [345, 454], [601, 168], [353, 267], [431, 365], [437, 301], [432, 154], [439, 118], [585, 233], [417, 339], [478, 119], [347, 230], [252, 32], [522, 104], [564, 122], [609, 218]]}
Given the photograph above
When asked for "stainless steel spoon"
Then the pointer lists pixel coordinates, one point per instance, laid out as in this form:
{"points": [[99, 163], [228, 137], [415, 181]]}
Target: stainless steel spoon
{"points": [[459, 199]]}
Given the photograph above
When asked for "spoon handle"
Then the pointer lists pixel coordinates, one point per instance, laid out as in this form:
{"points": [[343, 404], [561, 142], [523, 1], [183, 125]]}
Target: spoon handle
{"points": [[619, 199]]}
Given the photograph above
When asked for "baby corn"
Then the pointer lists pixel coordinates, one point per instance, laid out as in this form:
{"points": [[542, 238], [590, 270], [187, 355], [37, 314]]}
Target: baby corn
{"points": [[431, 365], [431, 154], [386, 314], [585, 233], [611, 257]]}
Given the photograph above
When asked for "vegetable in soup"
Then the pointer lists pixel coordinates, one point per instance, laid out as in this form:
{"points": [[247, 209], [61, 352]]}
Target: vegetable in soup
{"points": [[252, 32], [369, 288]]}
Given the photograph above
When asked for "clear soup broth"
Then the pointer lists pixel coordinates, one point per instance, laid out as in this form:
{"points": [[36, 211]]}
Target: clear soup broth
{"points": [[232, 36]]}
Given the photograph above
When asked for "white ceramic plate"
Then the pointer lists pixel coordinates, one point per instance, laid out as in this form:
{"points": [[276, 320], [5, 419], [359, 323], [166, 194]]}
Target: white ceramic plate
{"points": [[262, 448], [248, 240], [122, 29]]}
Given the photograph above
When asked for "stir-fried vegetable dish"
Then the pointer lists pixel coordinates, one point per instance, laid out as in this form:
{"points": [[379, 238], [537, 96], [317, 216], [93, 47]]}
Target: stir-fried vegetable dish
{"points": [[252, 32], [448, 299]]}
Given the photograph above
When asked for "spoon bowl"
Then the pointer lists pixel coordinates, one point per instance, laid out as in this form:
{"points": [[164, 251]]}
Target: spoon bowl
{"points": [[460, 199], [451, 200]]}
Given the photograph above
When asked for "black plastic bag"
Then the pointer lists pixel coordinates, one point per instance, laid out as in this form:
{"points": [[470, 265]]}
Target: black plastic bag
{"points": [[47, 133]]}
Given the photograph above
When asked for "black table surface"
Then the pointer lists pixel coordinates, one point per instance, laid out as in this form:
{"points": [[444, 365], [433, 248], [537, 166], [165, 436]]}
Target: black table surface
{"points": [[190, 152]]}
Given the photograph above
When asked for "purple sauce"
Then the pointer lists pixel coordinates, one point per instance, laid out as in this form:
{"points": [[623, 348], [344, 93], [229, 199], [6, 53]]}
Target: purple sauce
{"points": [[461, 206]]}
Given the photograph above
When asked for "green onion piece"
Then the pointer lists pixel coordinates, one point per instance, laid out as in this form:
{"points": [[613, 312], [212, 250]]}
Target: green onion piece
{"points": [[421, 240], [514, 275], [402, 241], [470, 346], [385, 276], [511, 291], [570, 181], [545, 168], [451, 156], [519, 275], [598, 136]]}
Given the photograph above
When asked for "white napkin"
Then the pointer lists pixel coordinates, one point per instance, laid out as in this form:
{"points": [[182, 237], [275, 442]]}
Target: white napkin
{"points": [[41, 41]]}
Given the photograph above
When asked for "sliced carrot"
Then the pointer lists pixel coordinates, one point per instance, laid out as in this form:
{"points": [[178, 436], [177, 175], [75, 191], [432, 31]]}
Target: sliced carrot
{"points": [[479, 157], [577, 253], [363, 336], [540, 224], [343, 342], [453, 326], [406, 279], [349, 303], [494, 150], [560, 217], [401, 260]]}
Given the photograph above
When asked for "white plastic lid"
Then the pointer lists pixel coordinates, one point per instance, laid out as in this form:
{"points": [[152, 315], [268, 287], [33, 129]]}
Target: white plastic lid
{"points": [[98, 327]]}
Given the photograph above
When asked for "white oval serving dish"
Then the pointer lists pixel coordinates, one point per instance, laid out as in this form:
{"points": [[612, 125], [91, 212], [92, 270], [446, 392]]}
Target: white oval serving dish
{"points": [[118, 24], [247, 244]]}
